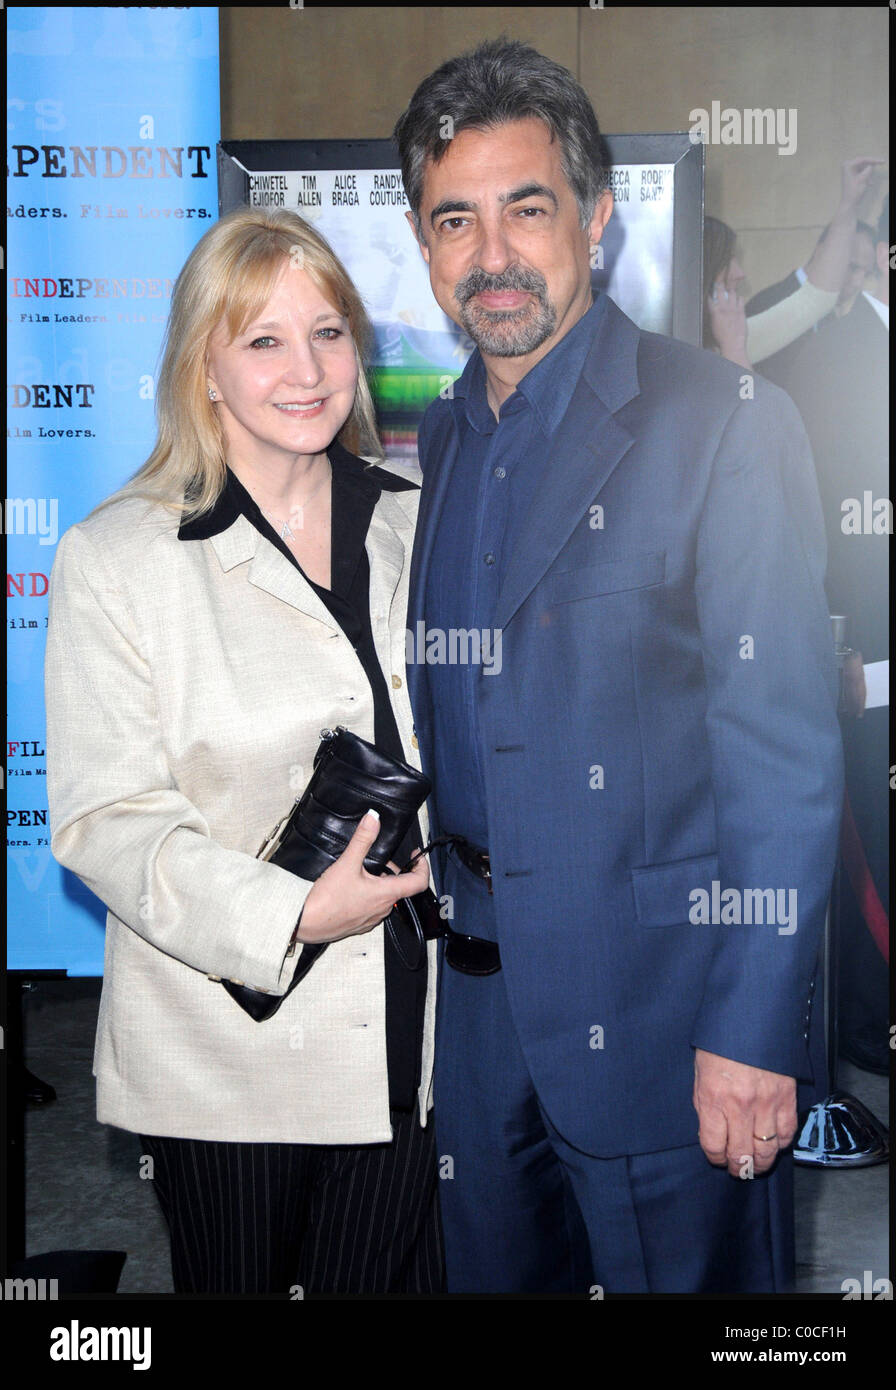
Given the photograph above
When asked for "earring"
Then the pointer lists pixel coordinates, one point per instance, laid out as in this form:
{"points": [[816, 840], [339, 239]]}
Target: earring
{"points": [[212, 394]]}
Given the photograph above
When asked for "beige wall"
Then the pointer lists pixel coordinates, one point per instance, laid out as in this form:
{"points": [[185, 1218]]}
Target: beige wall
{"points": [[344, 71]]}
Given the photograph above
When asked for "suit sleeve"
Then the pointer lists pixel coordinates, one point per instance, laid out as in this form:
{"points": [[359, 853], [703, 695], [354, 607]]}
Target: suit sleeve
{"points": [[772, 728], [117, 818]]}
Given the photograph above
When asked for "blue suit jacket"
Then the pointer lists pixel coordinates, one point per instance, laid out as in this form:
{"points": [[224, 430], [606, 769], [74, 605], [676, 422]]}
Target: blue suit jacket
{"points": [[665, 717]]}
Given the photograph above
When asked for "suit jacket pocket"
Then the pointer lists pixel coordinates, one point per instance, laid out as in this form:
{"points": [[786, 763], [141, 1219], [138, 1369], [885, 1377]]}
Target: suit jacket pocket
{"points": [[662, 891], [609, 577]]}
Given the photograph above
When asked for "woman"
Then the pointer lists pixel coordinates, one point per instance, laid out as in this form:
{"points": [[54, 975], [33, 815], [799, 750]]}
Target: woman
{"points": [[246, 590]]}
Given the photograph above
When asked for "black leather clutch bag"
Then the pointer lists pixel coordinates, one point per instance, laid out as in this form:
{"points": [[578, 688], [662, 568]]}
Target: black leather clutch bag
{"points": [[350, 777]]}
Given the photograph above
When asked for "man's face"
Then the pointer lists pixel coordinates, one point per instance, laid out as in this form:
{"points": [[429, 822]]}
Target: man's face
{"points": [[861, 265], [508, 260]]}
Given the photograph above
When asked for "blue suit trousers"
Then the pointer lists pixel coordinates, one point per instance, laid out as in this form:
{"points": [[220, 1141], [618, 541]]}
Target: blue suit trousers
{"points": [[525, 1212]]}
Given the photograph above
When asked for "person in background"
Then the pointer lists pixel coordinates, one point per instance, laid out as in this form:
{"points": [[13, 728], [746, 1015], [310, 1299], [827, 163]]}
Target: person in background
{"points": [[785, 312], [246, 589], [859, 273], [840, 381]]}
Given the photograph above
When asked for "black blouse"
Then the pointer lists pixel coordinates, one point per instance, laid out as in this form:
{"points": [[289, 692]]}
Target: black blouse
{"points": [[356, 490]]}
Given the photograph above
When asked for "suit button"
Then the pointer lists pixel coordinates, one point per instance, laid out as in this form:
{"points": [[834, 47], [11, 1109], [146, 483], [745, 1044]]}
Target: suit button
{"points": [[414, 743], [396, 682]]}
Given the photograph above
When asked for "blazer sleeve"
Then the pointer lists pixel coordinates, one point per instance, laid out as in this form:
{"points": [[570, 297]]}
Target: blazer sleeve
{"points": [[117, 819], [774, 737]]}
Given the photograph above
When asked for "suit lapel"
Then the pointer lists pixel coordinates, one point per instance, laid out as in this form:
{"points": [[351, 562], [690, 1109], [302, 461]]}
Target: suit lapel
{"points": [[581, 456], [432, 499]]}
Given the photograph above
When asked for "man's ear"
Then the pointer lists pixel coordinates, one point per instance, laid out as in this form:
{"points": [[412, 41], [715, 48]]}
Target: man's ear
{"points": [[424, 249], [603, 209], [882, 258]]}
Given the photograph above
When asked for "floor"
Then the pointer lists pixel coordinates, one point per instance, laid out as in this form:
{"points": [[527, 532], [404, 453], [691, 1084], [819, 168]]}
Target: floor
{"points": [[84, 1189]]}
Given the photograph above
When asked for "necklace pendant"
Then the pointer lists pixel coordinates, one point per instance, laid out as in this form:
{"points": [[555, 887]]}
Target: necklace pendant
{"points": [[286, 534]]}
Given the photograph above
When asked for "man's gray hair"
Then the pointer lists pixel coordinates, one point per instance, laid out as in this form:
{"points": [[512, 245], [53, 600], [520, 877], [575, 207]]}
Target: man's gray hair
{"points": [[499, 81]]}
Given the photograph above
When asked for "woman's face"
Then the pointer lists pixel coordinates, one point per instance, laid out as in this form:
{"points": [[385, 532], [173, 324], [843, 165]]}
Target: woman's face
{"points": [[285, 386]]}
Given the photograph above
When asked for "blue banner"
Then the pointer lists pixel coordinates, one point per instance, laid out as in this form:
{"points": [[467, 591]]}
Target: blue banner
{"points": [[113, 119]]}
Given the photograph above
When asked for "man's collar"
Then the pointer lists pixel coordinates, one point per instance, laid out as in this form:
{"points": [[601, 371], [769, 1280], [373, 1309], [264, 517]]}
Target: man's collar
{"points": [[880, 308], [547, 387]]}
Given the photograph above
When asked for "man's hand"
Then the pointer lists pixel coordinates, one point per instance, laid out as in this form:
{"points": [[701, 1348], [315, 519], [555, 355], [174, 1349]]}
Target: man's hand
{"points": [[744, 1112]]}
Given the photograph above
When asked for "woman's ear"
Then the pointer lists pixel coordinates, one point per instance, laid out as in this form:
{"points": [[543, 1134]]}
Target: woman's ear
{"points": [[211, 385]]}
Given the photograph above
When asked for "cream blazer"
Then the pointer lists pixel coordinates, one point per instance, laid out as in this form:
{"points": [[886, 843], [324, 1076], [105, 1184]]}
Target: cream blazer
{"points": [[186, 687]]}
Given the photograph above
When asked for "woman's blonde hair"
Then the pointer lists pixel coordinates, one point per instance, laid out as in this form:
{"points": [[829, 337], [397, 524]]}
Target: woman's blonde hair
{"points": [[228, 277]]}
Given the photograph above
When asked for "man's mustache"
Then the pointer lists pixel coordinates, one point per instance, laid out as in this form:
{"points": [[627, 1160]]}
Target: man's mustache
{"points": [[478, 281]]}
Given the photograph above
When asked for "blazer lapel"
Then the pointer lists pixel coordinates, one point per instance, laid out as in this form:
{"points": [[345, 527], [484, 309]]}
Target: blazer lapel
{"points": [[582, 455], [269, 570], [389, 539]]}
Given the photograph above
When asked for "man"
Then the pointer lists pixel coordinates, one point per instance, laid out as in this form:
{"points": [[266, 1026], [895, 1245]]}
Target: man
{"points": [[840, 382], [834, 274], [859, 269], [645, 549]]}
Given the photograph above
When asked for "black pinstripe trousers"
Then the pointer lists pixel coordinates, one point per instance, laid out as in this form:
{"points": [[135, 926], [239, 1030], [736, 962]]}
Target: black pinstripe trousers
{"points": [[320, 1218]]}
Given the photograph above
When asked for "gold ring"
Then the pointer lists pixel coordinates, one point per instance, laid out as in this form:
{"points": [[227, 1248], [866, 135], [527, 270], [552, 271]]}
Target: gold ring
{"points": [[764, 1138]]}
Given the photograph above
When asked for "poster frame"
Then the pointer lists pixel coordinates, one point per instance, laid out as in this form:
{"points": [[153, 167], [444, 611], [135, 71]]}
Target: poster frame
{"points": [[239, 159]]}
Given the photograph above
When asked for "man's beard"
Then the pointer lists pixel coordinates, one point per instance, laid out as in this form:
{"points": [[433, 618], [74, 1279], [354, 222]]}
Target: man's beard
{"points": [[506, 332]]}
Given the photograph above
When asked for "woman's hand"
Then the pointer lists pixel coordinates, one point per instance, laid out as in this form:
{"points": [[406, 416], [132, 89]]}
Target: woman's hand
{"points": [[346, 900], [729, 322]]}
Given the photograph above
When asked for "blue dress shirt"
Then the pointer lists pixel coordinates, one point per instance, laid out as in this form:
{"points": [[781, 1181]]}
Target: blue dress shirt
{"points": [[501, 465]]}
